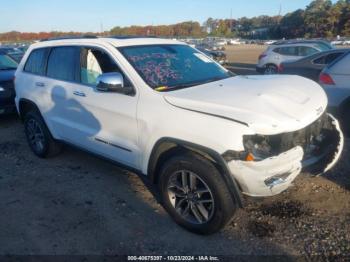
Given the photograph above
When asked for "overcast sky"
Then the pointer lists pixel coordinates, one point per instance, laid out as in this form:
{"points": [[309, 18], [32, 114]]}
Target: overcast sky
{"points": [[87, 15]]}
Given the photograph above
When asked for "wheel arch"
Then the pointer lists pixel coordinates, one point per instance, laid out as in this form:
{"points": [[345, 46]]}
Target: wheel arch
{"points": [[25, 106], [166, 147]]}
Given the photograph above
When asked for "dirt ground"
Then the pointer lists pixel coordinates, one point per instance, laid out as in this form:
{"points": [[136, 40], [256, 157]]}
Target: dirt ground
{"points": [[243, 58], [77, 204]]}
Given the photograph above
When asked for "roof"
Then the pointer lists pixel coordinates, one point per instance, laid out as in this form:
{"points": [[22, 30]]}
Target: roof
{"points": [[117, 41], [292, 42]]}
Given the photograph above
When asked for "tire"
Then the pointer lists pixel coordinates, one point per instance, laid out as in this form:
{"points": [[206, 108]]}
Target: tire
{"points": [[270, 70], [39, 137], [217, 201]]}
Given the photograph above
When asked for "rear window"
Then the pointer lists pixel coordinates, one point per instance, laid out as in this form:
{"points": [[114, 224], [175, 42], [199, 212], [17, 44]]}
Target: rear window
{"points": [[327, 59], [37, 61], [63, 64]]}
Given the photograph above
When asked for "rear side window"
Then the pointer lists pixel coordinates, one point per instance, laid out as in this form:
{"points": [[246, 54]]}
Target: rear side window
{"points": [[306, 51], [36, 63], [331, 57], [63, 63], [327, 59], [290, 51]]}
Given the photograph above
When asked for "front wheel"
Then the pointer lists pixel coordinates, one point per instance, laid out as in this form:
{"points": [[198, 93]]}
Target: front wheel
{"points": [[195, 195]]}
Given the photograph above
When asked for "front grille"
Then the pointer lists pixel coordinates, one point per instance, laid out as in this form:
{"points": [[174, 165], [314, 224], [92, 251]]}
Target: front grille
{"points": [[312, 138], [303, 137]]}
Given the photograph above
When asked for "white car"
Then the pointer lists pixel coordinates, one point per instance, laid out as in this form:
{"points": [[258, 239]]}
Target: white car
{"points": [[283, 51], [335, 80], [166, 111]]}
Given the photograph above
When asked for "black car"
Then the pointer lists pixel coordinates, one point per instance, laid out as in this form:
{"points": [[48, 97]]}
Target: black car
{"points": [[7, 91], [311, 66]]}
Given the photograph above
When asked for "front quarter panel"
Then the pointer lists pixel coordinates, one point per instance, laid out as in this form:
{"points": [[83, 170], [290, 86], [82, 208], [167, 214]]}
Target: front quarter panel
{"points": [[157, 119]]}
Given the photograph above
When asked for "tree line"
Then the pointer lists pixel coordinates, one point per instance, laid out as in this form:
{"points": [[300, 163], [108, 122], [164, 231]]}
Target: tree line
{"points": [[320, 19]]}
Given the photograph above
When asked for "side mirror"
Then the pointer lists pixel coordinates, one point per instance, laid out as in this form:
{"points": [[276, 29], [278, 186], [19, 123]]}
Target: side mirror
{"points": [[112, 82]]}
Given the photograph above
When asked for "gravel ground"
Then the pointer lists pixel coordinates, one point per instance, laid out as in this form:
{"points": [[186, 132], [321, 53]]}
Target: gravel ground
{"points": [[78, 204]]}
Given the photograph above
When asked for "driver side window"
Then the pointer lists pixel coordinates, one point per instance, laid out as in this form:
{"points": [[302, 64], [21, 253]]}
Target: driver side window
{"points": [[95, 62]]}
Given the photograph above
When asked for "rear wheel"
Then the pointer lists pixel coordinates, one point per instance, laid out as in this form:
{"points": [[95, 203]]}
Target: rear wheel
{"points": [[38, 136], [270, 70], [195, 194]]}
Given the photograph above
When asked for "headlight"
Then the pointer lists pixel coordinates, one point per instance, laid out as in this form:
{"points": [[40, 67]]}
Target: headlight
{"points": [[258, 147], [1, 89]]}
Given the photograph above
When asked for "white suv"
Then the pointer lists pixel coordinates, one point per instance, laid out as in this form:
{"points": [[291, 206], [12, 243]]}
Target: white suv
{"points": [[282, 51], [165, 110]]}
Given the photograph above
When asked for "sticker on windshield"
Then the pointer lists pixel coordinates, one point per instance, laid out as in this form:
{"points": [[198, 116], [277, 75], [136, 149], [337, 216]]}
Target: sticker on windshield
{"points": [[203, 58]]}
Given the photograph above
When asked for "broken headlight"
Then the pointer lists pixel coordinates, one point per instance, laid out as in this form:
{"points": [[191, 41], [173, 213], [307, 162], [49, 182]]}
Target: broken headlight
{"points": [[257, 147]]}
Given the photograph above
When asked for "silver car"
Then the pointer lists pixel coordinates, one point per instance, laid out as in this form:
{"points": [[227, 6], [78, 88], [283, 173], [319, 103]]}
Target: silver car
{"points": [[282, 51], [335, 80]]}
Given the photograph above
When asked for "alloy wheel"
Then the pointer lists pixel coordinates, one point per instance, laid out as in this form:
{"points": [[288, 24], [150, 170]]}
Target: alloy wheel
{"points": [[191, 197], [35, 135]]}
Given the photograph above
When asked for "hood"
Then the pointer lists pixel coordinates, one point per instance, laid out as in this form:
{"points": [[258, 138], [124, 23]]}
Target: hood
{"points": [[267, 104]]}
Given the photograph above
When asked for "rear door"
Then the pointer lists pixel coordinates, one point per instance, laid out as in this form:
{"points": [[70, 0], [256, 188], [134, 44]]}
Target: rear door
{"points": [[287, 53], [65, 112]]}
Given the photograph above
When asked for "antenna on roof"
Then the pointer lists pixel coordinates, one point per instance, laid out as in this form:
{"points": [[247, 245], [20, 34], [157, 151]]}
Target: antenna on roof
{"points": [[280, 10]]}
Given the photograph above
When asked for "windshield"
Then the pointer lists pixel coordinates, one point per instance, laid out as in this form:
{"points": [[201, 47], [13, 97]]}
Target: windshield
{"points": [[6, 63], [170, 67]]}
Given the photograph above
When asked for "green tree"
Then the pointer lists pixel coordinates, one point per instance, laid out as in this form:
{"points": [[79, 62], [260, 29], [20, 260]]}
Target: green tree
{"points": [[318, 20]]}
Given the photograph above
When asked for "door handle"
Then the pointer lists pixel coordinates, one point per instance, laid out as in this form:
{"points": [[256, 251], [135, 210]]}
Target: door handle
{"points": [[78, 93], [40, 84]]}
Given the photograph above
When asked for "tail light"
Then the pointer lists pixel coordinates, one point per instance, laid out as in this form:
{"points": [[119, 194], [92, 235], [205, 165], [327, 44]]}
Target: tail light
{"points": [[262, 56], [326, 79], [280, 68]]}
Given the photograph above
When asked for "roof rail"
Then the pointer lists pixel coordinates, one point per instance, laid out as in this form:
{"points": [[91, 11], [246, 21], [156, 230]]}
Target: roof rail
{"points": [[305, 41], [130, 36], [69, 37]]}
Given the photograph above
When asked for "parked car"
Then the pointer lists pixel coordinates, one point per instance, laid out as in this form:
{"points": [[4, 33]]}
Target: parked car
{"points": [[7, 92], [218, 56], [335, 80], [160, 108], [283, 51], [14, 53], [311, 66]]}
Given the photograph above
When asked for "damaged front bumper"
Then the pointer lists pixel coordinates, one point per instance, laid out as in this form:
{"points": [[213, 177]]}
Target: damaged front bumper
{"points": [[315, 149]]}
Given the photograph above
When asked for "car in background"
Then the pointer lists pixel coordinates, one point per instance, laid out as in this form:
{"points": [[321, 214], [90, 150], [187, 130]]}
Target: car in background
{"points": [[7, 91], [335, 79], [283, 51], [311, 66], [15, 53], [218, 56]]}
